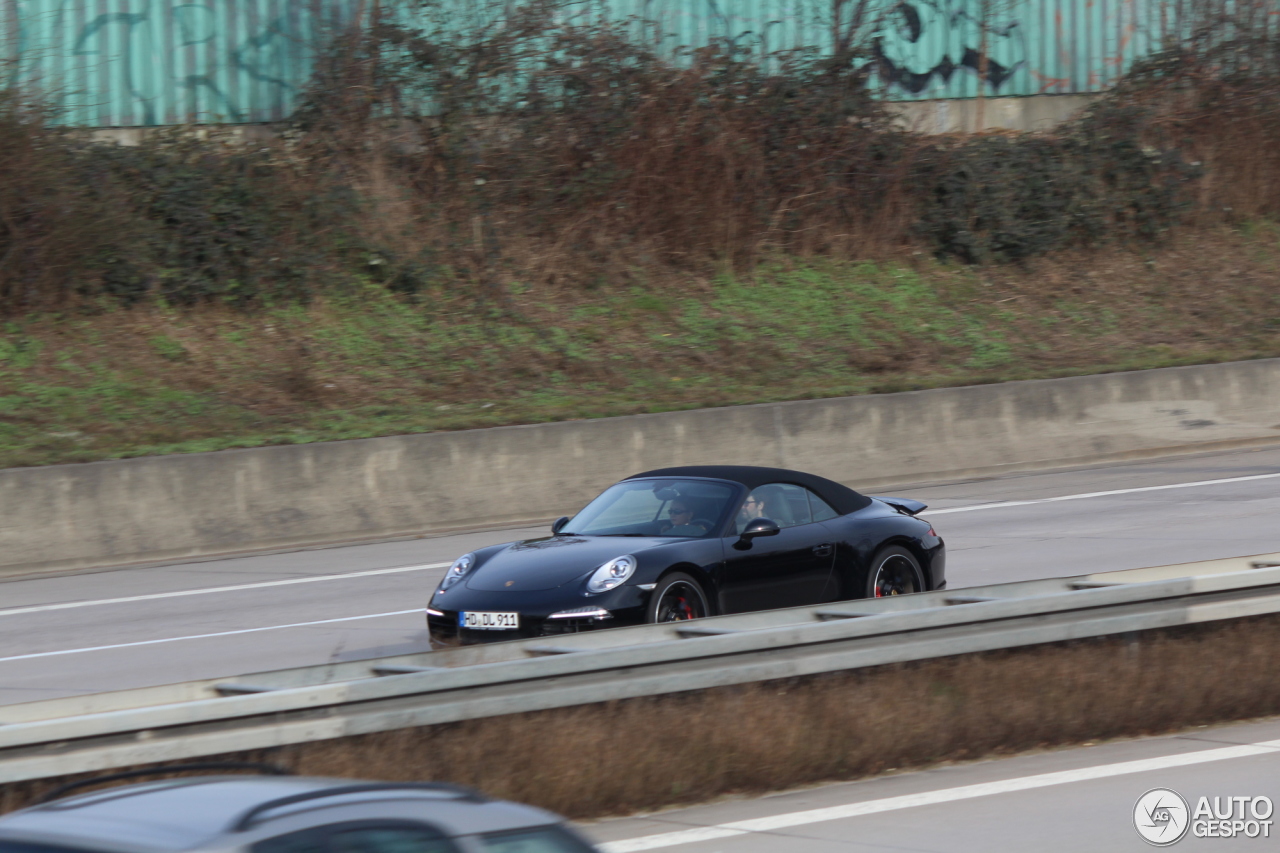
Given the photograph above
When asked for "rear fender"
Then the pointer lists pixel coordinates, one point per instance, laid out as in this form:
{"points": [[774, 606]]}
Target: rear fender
{"points": [[923, 557]]}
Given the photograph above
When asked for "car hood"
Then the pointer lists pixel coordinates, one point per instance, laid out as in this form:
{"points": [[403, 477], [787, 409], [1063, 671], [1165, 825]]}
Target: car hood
{"points": [[548, 563]]}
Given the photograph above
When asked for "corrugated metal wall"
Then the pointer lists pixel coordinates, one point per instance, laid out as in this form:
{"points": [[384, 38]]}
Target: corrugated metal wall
{"points": [[121, 63], [935, 48], [156, 62]]}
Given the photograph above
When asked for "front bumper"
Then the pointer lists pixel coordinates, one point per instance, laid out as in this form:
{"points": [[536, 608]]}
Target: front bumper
{"points": [[626, 606]]}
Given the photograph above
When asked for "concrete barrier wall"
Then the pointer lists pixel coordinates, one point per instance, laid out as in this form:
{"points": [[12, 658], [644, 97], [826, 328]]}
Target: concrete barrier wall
{"points": [[174, 507], [971, 115]]}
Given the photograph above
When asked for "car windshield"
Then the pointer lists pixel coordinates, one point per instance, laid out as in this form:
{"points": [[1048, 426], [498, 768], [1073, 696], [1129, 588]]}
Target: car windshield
{"points": [[689, 508]]}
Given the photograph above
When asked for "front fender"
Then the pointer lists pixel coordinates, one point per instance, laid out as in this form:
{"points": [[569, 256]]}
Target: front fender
{"points": [[701, 559]]}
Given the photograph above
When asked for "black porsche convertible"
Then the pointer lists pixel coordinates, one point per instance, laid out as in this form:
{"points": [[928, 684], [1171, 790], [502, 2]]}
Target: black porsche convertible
{"points": [[682, 543]]}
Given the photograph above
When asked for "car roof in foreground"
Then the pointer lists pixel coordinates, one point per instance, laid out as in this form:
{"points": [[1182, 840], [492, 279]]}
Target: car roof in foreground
{"points": [[842, 499], [182, 814]]}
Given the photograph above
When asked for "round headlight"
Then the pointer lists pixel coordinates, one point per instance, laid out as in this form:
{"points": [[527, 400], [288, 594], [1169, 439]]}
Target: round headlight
{"points": [[611, 574], [460, 567]]}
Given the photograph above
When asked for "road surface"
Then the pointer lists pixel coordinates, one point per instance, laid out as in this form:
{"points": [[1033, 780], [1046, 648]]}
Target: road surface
{"points": [[112, 629]]}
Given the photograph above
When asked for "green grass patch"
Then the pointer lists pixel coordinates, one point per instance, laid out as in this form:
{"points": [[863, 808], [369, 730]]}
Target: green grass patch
{"points": [[156, 380]]}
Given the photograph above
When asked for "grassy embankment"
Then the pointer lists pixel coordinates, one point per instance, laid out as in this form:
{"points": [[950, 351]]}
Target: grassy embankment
{"points": [[154, 380]]}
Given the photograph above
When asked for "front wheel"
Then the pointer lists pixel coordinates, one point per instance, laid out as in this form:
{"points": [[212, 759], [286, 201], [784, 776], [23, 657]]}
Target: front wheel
{"points": [[677, 597], [894, 571]]}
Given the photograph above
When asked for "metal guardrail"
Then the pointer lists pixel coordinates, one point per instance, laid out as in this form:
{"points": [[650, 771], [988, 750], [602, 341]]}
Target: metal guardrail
{"points": [[359, 697]]}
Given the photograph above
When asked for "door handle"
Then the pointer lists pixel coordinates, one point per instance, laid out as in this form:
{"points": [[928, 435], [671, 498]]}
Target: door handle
{"points": [[823, 550]]}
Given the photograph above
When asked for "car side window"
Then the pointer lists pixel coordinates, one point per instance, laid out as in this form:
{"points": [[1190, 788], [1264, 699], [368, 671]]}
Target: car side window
{"points": [[7, 846], [362, 838], [389, 840], [544, 839], [822, 511], [785, 504]]}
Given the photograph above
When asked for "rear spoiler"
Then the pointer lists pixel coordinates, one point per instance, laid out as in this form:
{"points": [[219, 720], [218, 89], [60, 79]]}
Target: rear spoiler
{"points": [[903, 505]]}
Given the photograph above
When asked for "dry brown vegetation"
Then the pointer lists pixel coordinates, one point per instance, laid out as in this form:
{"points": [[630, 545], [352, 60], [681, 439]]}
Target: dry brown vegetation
{"points": [[553, 152], [457, 156], [626, 756]]}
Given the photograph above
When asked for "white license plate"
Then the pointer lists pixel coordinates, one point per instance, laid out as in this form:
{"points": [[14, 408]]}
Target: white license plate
{"points": [[488, 621]]}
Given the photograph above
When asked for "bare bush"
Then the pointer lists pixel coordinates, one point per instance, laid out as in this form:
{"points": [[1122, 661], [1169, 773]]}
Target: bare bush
{"points": [[557, 149], [1216, 96], [55, 218], [573, 148]]}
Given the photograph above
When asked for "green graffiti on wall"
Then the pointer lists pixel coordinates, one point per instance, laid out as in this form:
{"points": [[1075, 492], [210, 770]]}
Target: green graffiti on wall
{"points": [[921, 45], [149, 62]]}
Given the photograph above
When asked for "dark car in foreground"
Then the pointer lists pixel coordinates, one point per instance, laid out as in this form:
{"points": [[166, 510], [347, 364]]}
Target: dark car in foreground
{"points": [[683, 543], [284, 814]]}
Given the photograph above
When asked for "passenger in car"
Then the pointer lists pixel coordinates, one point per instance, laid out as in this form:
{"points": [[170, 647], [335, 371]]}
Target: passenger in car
{"points": [[752, 508]]}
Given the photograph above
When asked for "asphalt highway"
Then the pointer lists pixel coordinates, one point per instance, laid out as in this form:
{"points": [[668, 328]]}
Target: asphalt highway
{"points": [[103, 630], [1062, 801]]}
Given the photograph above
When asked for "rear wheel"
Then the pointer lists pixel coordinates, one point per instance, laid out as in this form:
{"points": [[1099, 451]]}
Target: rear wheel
{"points": [[894, 571], [676, 598]]}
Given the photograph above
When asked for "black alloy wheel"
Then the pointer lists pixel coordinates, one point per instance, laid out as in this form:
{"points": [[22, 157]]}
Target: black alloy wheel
{"points": [[677, 598], [894, 571]]}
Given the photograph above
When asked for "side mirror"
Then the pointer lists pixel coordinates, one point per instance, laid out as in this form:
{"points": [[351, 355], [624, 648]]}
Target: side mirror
{"points": [[760, 527], [757, 527], [559, 523]]}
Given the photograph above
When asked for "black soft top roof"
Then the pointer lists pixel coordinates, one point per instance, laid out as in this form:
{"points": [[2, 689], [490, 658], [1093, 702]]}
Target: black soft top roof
{"points": [[842, 499]]}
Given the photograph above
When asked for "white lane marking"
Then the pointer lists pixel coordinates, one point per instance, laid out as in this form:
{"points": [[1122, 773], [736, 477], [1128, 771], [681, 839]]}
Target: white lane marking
{"points": [[205, 636], [1079, 497], [929, 798], [67, 605]]}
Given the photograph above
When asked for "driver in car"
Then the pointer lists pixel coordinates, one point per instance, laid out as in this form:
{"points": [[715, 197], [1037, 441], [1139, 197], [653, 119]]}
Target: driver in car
{"points": [[682, 523]]}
